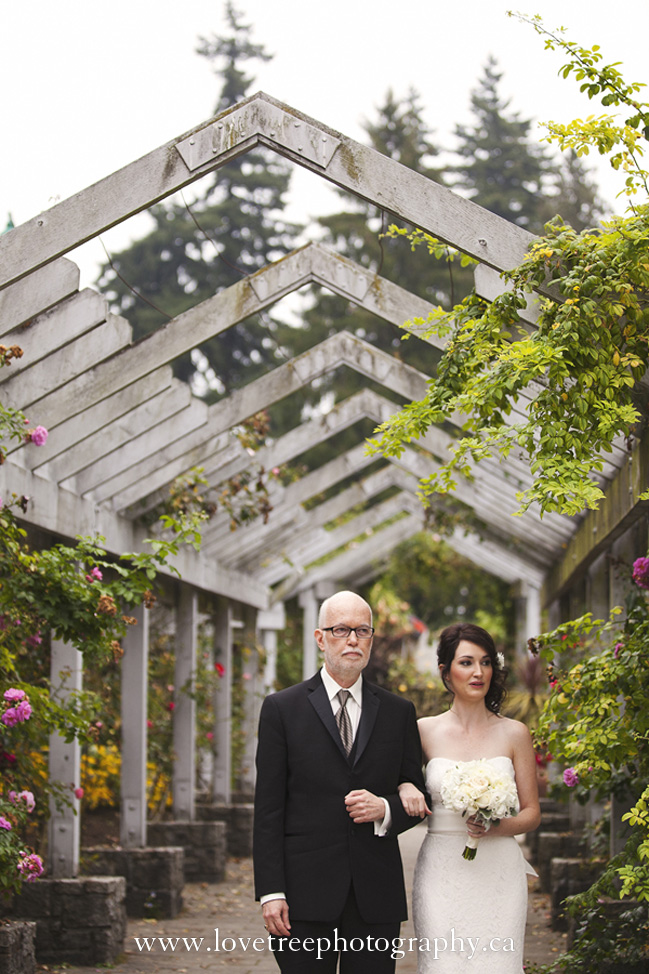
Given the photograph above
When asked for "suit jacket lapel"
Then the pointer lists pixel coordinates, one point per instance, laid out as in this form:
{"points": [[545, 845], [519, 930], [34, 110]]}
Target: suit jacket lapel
{"points": [[321, 704], [368, 719]]}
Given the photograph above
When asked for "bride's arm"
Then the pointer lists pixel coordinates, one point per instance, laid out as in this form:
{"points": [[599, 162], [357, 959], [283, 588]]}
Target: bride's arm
{"points": [[529, 815], [413, 801]]}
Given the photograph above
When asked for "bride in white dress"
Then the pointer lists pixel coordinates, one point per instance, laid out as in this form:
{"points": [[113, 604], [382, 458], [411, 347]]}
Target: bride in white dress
{"points": [[469, 915]]}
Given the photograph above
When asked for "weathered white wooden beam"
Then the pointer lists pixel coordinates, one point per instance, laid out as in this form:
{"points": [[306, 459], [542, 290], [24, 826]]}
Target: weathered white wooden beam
{"points": [[52, 330], [73, 431], [93, 478], [290, 523], [67, 515], [142, 419], [307, 142], [312, 483], [60, 371], [148, 478], [34, 294], [339, 349], [497, 559], [277, 452], [322, 542], [341, 568]]}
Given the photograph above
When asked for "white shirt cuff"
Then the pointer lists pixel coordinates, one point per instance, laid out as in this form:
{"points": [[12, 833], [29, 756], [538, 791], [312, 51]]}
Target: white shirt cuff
{"points": [[271, 896], [382, 828]]}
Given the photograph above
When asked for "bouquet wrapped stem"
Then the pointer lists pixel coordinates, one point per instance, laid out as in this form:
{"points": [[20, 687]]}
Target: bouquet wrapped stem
{"points": [[472, 841], [476, 788]]}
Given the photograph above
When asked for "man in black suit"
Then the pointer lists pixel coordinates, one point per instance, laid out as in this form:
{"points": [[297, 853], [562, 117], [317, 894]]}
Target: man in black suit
{"points": [[327, 812]]}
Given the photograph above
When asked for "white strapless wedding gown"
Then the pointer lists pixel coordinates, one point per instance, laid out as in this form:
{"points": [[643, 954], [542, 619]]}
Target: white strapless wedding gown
{"points": [[469, 914]]}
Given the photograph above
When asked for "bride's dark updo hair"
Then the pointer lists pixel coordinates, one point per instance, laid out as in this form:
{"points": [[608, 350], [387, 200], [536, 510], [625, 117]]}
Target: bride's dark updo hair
{"points": [[449, 640]]}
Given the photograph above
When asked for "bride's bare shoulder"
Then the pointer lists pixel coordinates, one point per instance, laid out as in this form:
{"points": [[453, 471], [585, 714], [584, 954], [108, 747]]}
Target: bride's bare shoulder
{"points": [[429, 722], [517, 732]]}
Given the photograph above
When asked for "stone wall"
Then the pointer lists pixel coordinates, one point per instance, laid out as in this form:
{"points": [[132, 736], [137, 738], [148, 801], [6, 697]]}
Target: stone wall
{"points": [[17, 954], [238, 819], [154, 877], [203, 843], [78, 921]]}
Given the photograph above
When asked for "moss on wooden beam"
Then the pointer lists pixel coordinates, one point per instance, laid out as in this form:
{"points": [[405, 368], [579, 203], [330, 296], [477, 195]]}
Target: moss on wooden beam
{"points": [[620, 509]]}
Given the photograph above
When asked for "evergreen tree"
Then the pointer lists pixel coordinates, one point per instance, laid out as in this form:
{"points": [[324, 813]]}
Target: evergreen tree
{"points": [[502, 170], [232, 229], [356, 232]]}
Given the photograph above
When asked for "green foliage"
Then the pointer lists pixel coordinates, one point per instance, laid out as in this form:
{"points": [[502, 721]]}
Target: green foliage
{"points": [[564, 391], [76, 594], [620, 140], [441, 587], [575, 374], [425, 690], [596, 723]]}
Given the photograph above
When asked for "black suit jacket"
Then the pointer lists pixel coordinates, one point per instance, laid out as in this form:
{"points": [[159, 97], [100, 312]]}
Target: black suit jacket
{"points": [[305, 843]]}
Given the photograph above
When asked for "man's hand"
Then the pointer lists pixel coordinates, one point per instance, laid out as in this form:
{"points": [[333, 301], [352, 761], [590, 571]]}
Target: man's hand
{"points": [[275, 914], [363, 806]]}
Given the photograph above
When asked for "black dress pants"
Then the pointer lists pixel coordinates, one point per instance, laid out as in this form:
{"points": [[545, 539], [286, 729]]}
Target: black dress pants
{"points": [[315, 948]]}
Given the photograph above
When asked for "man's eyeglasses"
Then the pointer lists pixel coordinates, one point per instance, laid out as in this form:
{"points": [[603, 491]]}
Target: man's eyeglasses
{"points": [[341, 632]]}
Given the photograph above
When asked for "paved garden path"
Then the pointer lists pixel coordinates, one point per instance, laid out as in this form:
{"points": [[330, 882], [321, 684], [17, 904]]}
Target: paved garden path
{"points": [[229, 908]]}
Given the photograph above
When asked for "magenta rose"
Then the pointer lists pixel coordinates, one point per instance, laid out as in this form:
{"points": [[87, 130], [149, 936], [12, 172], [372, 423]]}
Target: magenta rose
{"points": [[641, 572], [31, 867], [39, 436], [570, 777]]}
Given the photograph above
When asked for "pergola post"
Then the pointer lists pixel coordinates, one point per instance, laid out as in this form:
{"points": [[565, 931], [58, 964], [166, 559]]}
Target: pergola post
{"points": [[309, 605], [64, 767], [184, 727], [251, 701], [135, 664], [269, 622], [222, 767]]}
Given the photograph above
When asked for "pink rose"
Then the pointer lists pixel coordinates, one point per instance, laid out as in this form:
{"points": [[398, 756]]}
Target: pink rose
{"points": [[641, 572], [23, 796], [13, 695], [95, 574], [39, 436], [5, 823], [78, 793], [10, 717], [31, 867], [24, 710], [570, 777]]}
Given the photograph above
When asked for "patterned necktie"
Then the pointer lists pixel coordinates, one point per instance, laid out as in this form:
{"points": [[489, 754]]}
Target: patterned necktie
{"points": [[343, 721]]}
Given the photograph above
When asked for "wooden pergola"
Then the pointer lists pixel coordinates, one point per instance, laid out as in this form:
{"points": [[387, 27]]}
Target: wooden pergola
{"points": [[122, 428]]}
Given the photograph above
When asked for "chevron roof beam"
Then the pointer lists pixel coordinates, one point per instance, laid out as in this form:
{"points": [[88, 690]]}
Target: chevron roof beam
{"points": [[261, 120]]}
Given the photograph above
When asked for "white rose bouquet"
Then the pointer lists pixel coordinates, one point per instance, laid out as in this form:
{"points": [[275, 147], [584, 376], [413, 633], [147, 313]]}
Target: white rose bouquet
{"points": [[478, 788]]}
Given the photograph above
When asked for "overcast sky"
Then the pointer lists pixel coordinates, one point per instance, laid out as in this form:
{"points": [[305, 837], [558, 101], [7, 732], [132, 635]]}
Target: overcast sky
{"points": [[88, 86]]}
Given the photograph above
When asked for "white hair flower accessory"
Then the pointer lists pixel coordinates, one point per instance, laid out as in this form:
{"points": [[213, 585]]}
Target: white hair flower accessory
{"points": [[500, 661]]}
